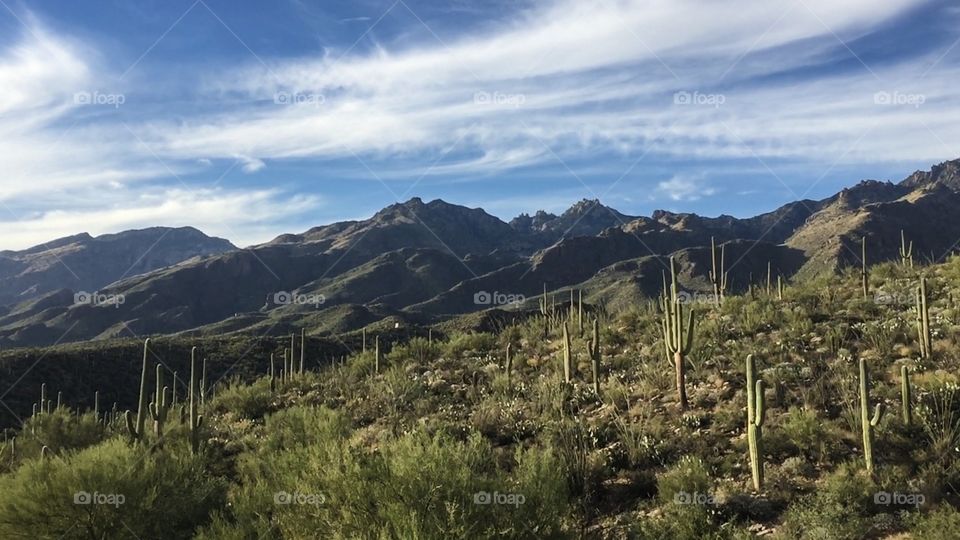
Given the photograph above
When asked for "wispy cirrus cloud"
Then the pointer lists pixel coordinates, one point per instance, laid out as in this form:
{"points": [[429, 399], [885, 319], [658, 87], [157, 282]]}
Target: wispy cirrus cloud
{"points": [[568, 82]]}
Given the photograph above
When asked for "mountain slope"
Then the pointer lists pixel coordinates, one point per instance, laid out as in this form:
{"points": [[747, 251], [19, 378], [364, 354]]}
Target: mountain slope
{"points": [[417, 263], [85, 263]]}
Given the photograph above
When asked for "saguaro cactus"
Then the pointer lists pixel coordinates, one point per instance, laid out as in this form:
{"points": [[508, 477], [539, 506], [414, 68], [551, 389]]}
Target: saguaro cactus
{"points": [[677, 334], [43, 397], [756, 409], [376, 355], [293, 352], [923, 320], [136, 430], [906, 251], [543, 301], [303, 347], [203, 383], [196, 420], [508, 367], [580, 310], [769, 278], [595, 355], [160, 405], [906, 407], [866, 422], [567, 360], [273, 375], [864, 277], [718, 277]]}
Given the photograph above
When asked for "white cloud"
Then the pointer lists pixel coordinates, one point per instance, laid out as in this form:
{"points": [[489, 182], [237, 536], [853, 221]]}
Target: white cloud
{"points": [[567, 80], [684, 188], [244, 217]]}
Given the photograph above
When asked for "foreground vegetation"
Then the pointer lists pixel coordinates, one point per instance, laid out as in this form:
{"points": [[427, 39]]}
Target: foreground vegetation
{"points": [[825, 409]]}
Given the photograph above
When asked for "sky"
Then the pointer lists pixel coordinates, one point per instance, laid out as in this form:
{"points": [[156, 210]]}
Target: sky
{"points": [[249, 119]]}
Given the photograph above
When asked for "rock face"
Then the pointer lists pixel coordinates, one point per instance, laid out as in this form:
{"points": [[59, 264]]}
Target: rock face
{"points": [[422, 261], [85, 263]]}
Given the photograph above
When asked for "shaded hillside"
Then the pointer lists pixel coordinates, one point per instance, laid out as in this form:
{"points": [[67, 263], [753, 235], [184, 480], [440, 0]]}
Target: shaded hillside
{"points": [[417, 262], [86, 263]]}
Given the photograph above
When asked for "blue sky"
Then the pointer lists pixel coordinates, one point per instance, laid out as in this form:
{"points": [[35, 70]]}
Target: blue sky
{"points": [[250, 119]]}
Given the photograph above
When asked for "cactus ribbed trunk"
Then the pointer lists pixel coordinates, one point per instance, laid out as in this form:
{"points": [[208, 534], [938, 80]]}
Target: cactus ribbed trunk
{"points": [[905, 396], [677, 333], [595, 355], [867, 423], [196, 420], [756, 410], [864, 277], [136, 431]]}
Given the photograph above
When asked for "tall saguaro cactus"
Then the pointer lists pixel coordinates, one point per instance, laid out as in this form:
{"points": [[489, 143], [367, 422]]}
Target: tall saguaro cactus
{"points": [[718, 276], [580, 310], [864, 277], [136, 431], [756, 410], [567, 360], [508, 367], [923, 320], [43, 397], [866, 422], [595, 355], [196, 420], [160, 405], [677, 333], [906, 251], [376, 355], [905, 396], [303, 347], [273, 377]]}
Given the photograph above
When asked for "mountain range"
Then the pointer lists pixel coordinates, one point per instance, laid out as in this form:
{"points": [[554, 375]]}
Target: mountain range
{"points": [[423, 262]]}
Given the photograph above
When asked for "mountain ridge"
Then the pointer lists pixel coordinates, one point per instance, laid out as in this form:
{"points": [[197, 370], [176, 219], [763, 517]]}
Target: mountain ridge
{"points": [[431, 261]]}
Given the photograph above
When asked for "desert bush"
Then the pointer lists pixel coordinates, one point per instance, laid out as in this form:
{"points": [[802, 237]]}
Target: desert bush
{"points": [[839, 508], [473, 343], [414, 486], [112, 490], [60, 430], [419, 350], [688, 507], [244, 400]]}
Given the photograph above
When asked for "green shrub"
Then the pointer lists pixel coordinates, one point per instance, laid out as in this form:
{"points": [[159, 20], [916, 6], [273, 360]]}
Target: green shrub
{"points": [[685, 493], [473, 343], [244, 400], [60, 430], [415, 486], [941, 524], [419, 350], [112, 490], [839, 509]]}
